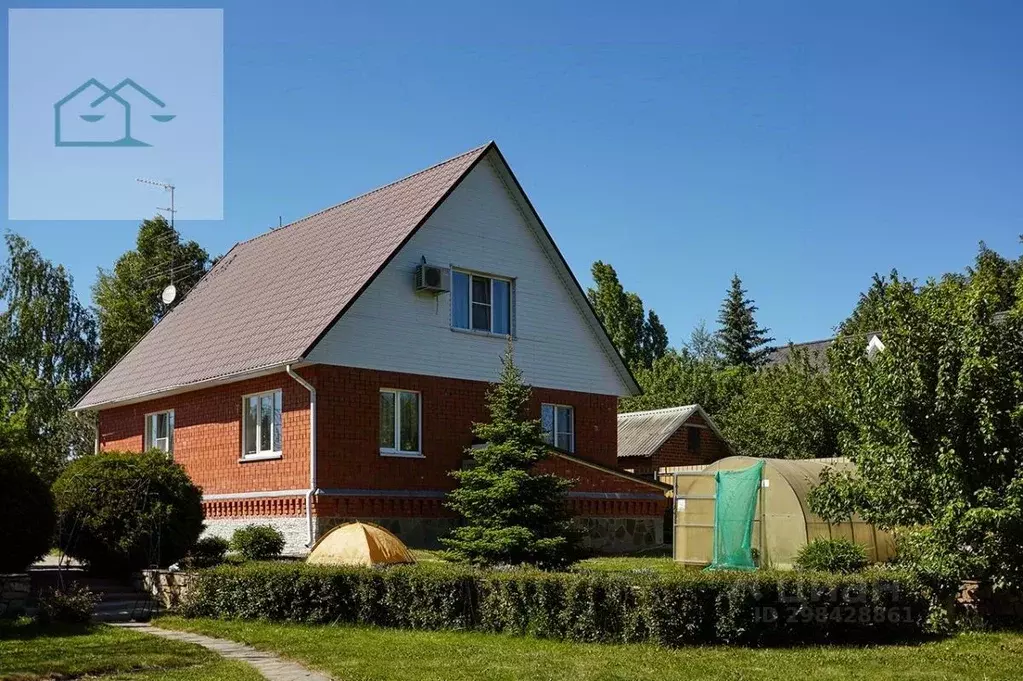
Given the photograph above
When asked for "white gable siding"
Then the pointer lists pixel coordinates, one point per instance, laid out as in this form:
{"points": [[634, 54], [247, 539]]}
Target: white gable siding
{"points": [[479, 227]]}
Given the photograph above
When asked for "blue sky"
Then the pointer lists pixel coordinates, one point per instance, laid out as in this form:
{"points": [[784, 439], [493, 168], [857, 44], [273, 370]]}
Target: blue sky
{"points": [[804, 145]]}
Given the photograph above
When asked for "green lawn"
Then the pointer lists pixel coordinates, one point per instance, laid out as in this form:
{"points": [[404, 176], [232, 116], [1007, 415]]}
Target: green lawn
{"points": [[364, 654], [657, 561], [29, 652]]}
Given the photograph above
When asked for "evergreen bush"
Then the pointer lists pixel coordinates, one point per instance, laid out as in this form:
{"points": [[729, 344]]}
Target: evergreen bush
{"points": [[120, 512], [512, 515], [258, 542], [208, 552]]}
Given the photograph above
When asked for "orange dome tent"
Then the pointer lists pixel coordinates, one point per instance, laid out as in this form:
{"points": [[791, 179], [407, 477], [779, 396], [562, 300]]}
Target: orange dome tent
{"points": [[359, 544]]}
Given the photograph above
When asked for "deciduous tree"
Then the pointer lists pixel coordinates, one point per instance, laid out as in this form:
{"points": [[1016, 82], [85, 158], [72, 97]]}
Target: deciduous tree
{"points": [[639, 336], [48, 346], [937, 421], [127, 298]]}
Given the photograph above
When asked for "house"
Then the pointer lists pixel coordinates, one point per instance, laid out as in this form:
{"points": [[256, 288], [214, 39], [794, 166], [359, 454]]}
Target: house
{"points": [[678, 436], [331, 369], [817, 351]]}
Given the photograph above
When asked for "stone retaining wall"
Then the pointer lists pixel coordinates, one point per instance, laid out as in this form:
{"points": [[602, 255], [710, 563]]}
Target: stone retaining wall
{"points": [[168, 588], [622, 535], [15, 593]]}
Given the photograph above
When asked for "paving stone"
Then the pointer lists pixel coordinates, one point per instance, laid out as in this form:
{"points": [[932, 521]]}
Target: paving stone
{"points": [[269, 665]]}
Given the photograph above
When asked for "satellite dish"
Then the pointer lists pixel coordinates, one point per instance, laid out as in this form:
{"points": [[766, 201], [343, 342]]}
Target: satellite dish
{"points": [[169, 294]]}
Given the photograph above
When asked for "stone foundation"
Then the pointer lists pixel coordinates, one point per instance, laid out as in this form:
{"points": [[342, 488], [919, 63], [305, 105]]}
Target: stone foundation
{"points": [[417, 533], [601, 534], [622, 535], [293, 529], [15, 591]]}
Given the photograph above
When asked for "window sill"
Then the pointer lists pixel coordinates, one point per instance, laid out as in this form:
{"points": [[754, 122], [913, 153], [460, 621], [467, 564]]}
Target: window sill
{"points": [[402, 455], [260, 457], [485, 334]]}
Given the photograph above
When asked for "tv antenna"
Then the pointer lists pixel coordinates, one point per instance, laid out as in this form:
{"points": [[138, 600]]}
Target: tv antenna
{"points": [[165, 187], [170, 293]]}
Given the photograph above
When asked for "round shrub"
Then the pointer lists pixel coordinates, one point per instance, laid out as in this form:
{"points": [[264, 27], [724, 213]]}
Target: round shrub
{"points": [[832, 555], [208, 552], [27, 516], [120, 512], [258, 542]]}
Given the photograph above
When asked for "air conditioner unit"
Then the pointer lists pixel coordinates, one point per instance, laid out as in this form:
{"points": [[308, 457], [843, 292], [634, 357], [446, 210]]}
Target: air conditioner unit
{"points": [[433, 278]]}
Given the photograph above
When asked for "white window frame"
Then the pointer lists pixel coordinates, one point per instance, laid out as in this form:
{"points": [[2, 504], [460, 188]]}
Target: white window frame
{"points": [[553, 436], [396, 450], [492, 278], [261, 454], [148, 437]]}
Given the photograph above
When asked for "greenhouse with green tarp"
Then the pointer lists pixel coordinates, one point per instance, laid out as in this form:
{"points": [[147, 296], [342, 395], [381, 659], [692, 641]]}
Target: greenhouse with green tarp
{"points": [[741, 512]]}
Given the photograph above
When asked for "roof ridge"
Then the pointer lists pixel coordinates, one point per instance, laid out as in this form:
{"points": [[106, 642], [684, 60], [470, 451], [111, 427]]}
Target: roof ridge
{"points": [[363, 195], [664, 410]]}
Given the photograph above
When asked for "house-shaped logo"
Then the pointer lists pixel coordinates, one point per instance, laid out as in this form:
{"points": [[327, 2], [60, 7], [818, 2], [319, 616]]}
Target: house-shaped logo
{"points": [[93, 115]]}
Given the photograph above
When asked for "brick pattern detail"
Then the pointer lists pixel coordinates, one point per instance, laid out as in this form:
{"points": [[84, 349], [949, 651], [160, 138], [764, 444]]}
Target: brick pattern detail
{"points": [[246, 508], [617, 508], [676, 451], [380, 507]]}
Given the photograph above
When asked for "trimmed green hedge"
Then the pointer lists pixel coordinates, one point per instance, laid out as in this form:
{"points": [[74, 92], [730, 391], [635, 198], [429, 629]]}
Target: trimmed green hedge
{"points": [[690, 608]]}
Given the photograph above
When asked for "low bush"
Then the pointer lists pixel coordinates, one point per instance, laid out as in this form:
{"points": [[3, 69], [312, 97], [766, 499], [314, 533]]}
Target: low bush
{"points": [[122, 511], [72, 605], [257, 542], [27, 516], [208, 552], [671, 610], [832, 555]]}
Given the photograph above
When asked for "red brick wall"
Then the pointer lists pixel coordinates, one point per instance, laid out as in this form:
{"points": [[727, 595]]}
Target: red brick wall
{"points": [[348, 426], [676, 451], [207, 435]]}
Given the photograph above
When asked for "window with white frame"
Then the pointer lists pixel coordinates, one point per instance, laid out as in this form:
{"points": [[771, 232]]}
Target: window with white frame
{"points": [[160, 431], [261, 425], [400, 422], [558, 425], [481, 303]]}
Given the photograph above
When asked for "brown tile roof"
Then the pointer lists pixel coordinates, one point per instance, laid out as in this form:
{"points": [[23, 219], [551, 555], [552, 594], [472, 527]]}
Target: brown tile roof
{"points": [[268, 300]]}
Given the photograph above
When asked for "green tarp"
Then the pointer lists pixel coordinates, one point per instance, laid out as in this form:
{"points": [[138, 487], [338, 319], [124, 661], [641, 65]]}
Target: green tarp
{"points": [[735, 508]]}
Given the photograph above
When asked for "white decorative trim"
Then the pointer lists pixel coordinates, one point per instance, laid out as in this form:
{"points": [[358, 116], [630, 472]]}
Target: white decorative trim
{"points": [[254, 495], [270, 456]]}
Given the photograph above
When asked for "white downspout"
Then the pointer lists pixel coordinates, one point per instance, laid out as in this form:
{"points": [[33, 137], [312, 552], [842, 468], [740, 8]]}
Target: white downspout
{"points": [[312, 452]]}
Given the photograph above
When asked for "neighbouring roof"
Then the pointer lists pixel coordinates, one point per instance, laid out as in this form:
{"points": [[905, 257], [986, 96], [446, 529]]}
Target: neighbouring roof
{"points": [[816, 351], [641, 433], [270, 299]]}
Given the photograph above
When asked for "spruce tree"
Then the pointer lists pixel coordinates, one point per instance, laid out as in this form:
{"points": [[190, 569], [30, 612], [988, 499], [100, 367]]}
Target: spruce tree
{"points": [[512, 515], [743, 343]]}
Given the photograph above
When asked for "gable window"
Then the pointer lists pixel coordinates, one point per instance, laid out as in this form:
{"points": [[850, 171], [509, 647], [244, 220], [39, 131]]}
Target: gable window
{"points": [[261, 425], [558, 425], [160, 431], [400, 423], [480, 303], [694, 439]]}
